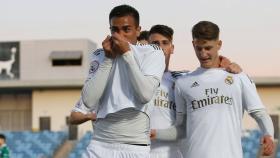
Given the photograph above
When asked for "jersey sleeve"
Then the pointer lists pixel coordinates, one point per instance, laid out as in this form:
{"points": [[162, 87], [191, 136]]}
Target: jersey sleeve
{"points": [[179, 99], [250, 98], [179, 74], [96, 58], [80, 107], [154, 63]]}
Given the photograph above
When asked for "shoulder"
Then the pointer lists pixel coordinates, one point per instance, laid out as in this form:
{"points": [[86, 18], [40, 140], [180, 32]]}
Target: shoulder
{"points": [[6, 149], [148, 52], [244, 78], [182, 79], [97, 53], [178, 74], [148, 47], [188, 77]]}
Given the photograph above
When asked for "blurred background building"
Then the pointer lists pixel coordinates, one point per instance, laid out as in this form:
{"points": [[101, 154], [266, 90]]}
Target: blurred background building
{"points": [[40, 82]]}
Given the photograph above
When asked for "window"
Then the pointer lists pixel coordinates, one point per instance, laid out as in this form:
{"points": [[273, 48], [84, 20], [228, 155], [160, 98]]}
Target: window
{"points": [[66, 58]]}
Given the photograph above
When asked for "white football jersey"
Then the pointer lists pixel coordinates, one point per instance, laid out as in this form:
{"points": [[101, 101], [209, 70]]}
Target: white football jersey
{"points": [[214, 101], [96, 58], [119, 93], [163, 114]]}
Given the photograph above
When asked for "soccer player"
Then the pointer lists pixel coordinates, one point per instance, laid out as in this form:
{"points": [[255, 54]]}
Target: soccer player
{"points": [[121, 89], [214, 101], [4, 151], [163, 114]]}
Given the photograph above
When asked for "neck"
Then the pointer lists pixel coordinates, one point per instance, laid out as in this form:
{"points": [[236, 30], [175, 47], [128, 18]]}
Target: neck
{"points": [[166, 68], [215, 64]]}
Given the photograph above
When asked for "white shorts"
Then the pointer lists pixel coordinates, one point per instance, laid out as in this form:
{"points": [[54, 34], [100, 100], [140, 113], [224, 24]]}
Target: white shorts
{"points": [[97, 149], [175, 153]]}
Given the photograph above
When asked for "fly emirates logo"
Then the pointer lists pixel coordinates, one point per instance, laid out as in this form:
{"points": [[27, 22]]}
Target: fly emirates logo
{"points": [[162, 100], [212, 97]]}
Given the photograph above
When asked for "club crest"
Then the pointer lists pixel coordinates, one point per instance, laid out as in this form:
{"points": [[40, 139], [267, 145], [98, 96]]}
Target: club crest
{"points": [[229, 80], [93, 67]]}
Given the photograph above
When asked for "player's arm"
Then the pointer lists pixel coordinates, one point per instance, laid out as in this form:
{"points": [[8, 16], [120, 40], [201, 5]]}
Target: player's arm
{"points": [[143, 85], [95, 86], [229, 66], [254, 106], [265, 123], [79, 118], [177, 131], [80, 113]]}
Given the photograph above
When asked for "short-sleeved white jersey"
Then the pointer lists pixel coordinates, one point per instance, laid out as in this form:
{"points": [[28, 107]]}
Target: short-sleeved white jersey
{"points": [[119, 93], [214, 101], [163, 114], [95, 58]]}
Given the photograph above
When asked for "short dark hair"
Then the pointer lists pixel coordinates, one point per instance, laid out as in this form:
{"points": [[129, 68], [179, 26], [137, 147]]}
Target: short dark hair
{"points": [[124, 10], [205, 30], [2, 136], [144, 35], [164, 30]]}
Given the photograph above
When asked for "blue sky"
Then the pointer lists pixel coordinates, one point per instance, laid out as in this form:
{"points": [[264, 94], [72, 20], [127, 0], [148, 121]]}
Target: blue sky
{"points": [[249, 28]]}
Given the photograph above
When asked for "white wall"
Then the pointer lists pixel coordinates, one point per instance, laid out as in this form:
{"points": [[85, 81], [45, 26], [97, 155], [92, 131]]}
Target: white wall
{"points": [[57, 104], [35, 62]]}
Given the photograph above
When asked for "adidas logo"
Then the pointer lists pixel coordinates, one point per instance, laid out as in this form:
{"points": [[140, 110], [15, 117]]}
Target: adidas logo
{"points": [[195, 84]]}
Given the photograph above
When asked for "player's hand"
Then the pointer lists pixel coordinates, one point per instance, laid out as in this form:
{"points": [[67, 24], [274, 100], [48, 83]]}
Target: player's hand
{"points": [[229, 66], [120, 44], [153, 134], [234, 68], [91, 116], [224, 61], [107, 47], [267, 145]]}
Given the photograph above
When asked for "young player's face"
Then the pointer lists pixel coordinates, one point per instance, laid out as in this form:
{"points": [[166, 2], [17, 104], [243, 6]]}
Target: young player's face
{"points": [[164, 43], [1, 142], [126, 27], [207, 52]]}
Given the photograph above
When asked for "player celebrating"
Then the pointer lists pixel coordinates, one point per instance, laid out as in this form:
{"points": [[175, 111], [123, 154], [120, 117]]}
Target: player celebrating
{"points": [[121, 88], [163, 114], [214, 101]]}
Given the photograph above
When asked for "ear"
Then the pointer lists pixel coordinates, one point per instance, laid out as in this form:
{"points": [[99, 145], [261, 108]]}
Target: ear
{"points": [[193, 43], [138, 30], [172, 48], [220, 43]]}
